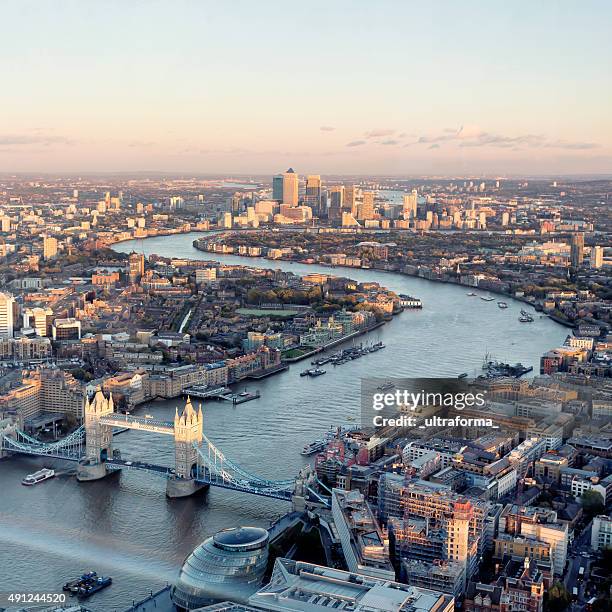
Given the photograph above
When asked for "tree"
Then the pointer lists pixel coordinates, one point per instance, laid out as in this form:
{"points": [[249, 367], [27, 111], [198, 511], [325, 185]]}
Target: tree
{"points": [[592, 503], [558, 598]]}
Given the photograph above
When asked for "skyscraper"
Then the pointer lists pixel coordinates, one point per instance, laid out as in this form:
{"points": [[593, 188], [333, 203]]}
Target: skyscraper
{"points": [[577, 250], [597, 257], [6, 315], [336, 195], [409, 208], [313, 193], [350, 199], [277, 187], [367, 206], [290, 188]]}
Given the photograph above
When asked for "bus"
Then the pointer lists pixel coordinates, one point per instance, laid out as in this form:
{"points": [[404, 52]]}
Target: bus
{"points": [[575, 593], [581, 572]]}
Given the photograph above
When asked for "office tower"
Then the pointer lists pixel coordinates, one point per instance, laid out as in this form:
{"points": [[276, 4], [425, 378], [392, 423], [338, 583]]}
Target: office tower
{"points": [[6, 315], [367, 206], [577, 250], [136, 264], [505, 219], [290, 188], [350, 199], [597, 257], [336, 195], [313, 193], [409, 208], [277, 187], [49, 247], [5, 223], [39, 319]]}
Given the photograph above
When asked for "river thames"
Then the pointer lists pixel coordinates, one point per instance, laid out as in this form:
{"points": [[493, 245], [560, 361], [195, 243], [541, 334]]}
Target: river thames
{"points": [[125, 527]]}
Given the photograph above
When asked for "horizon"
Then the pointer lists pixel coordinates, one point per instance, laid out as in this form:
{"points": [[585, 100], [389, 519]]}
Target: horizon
{"points": [[399, 90]]}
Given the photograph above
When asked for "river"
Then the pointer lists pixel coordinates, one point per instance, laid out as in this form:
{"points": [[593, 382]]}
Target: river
{"points": [[124, 526]]}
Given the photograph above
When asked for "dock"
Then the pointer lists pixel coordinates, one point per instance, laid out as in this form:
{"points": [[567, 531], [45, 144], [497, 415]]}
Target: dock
{"points": [[221, 393]]}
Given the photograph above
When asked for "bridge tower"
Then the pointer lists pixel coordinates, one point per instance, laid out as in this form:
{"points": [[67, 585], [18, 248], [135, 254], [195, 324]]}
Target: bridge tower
{"points": [[188, 429], [99, 438]]}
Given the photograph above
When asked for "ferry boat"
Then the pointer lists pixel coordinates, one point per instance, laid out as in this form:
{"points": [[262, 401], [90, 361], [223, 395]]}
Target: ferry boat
{"points": [[36, 477], [502, 305], [525, 318], [485, 298], [471, 294]]}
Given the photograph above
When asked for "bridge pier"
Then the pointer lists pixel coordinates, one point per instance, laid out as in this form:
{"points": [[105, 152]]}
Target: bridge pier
{"points": [[180, 487], [88, 470]]}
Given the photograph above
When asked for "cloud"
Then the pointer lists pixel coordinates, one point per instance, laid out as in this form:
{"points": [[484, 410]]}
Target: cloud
{"points": [[356, 143], [390, 142], [18, 140], [379, 133], [434, 146], [472, 136], [327, 128]]}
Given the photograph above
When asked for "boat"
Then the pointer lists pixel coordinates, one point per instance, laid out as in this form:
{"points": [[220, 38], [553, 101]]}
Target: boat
{"points": [[313, 447], [464, 375], [73, 584], [93, 586], [87, 584], [304, 373], [471, 294], [485, 298], [316, 372], [525, 318], [36, 477], [386, 386], [502, 304]]}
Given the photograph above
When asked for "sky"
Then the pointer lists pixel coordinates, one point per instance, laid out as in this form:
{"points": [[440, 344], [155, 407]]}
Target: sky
{"points": [[392, 87]]}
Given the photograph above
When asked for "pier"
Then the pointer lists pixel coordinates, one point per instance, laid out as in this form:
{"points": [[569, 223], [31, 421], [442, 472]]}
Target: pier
{"points": [[221, 393]]}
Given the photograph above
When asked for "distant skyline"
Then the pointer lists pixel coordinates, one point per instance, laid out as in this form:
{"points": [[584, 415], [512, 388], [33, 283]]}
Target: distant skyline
{"points": [[336, 87]]}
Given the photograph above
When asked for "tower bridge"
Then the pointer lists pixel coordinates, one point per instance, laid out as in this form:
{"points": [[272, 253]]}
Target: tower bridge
{"points": [[198, 463]]}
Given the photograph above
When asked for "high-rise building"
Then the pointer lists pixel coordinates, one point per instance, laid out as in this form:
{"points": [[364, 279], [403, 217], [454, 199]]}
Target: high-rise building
{"points": [[290, 188], [409, 208], [597, 253], [313, 193], [49, 247], [350, 199], [367, 206], [6, 315], [39, 319], [277, 187], [136, 266], [336, 202], [577, 250]]}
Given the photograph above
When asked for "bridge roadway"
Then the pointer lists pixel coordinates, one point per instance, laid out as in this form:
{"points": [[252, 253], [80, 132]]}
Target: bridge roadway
{"points": [[137, 422]]}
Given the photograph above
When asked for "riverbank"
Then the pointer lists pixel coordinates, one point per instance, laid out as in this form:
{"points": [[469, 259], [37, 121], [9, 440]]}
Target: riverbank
{"points": [[498, 292], [334, 343]]}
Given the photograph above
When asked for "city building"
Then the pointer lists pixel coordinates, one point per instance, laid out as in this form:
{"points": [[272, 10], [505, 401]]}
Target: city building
{"points": [[601, 532], [7, 302], [229, 565], [577, 250], [290, 188], [305, 587], [363, 543]]}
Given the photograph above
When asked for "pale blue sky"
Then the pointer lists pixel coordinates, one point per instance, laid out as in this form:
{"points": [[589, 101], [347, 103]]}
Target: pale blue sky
{"points": [[400, 87]]}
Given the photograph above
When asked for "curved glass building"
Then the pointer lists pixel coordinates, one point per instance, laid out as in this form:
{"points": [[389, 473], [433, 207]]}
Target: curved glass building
{"points": [[230, 564]]}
